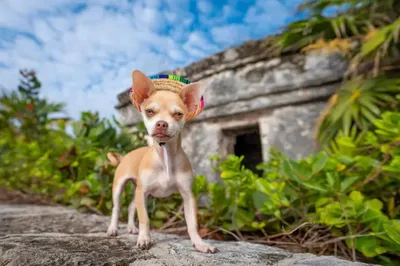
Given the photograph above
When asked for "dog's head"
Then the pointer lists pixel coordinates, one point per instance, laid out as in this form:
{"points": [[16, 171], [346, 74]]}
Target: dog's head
{"points": [[164, 111]]}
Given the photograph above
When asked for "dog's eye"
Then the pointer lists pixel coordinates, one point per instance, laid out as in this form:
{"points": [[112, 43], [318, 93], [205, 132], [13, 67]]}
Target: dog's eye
{"points": [[178, 114], [149, 112]]}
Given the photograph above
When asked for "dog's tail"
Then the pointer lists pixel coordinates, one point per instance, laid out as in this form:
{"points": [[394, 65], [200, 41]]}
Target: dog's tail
{"points": [[114, 158]]}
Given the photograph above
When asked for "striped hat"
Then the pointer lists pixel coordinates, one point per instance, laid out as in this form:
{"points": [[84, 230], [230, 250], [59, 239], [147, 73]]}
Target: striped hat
{"points": [[169, 83]]}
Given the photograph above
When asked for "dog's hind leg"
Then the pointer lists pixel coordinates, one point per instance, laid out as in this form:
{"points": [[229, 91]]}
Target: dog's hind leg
{"points": [[132, 229], [117, 189]]}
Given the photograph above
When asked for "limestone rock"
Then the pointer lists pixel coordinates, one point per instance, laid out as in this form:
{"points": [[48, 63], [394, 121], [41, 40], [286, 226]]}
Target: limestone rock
{"points": [[52, 235], [290, 130]]}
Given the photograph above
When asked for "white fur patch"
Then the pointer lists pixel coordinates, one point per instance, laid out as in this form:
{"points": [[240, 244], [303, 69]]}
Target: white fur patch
{"points": [[166, 161], [150, 123], [176, 108], [153, 106]]}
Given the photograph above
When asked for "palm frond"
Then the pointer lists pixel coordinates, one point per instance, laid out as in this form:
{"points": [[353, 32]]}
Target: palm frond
{"points": [[357, 103], [355, 19], [378, 44]]}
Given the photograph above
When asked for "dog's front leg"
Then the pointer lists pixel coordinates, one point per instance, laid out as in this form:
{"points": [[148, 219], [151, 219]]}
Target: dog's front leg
{"points": [[190, 209], [143, 241]]}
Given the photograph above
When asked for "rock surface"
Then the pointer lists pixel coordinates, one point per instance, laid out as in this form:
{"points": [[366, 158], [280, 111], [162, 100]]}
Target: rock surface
{"points": [[290, 130], [52, 235]]}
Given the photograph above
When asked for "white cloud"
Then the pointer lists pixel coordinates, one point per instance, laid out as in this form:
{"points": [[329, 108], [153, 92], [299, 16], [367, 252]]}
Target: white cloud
{"points": [[265, 15], [176, 54], [28, 7], [85, 58], [232, 34], [204, 6], [147, 15], [198, 45], [228, 12]]}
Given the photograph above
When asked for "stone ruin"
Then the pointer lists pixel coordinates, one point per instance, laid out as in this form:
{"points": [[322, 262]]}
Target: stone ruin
{"points": [[256, 99]]}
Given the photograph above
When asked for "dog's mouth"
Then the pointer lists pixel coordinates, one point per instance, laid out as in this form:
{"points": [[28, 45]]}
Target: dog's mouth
{"points": [[161, 135]]}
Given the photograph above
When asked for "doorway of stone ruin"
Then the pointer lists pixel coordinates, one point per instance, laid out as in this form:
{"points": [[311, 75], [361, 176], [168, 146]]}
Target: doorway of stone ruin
{"points": [[245, 141]]}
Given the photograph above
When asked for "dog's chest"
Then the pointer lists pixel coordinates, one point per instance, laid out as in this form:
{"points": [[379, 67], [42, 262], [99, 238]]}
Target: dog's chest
{"points": [[163, 185]]}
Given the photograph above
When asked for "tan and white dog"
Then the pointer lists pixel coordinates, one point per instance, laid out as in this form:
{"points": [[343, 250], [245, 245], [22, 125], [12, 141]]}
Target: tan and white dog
{"points": [[163, 168]]}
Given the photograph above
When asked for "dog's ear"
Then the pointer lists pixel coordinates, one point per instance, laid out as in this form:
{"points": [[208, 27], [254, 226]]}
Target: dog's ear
{"points": [[142, 87], [191, 95]]}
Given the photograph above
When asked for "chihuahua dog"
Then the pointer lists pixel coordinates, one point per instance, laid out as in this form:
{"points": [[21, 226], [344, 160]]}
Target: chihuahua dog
{"points": [[163, 168]]}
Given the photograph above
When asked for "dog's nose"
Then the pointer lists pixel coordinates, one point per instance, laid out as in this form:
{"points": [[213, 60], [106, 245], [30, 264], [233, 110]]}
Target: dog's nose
{"points": [[162, 124]]}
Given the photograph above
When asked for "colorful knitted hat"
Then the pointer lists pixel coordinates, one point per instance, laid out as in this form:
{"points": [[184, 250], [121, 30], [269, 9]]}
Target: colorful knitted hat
{"points": [[169, 83]]}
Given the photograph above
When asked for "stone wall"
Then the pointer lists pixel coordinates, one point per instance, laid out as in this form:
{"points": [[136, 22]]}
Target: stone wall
{"points": [[281, 95]]}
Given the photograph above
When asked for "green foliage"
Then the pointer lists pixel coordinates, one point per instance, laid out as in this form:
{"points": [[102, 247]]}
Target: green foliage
{"points": [[22, 111], [365, 31], [353, 191], [38, 155], [381, 41], [355, 18], [356, 105]]}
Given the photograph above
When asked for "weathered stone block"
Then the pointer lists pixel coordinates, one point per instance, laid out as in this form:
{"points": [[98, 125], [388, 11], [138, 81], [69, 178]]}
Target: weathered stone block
{"points": [[267, 102], [277, 75], [200, 141], [290, 130]]}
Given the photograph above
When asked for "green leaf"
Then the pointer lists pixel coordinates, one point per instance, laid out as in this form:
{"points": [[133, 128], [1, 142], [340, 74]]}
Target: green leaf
{"points": [[78, 128], [369, 246], [373, 211], [314, 186], [331, 179], [322, 202], [347, 182], [371, 214], [368, 115], [258, 225], [157, 223], [319, 163], [259, 198], [375, 204], [356, 196], [242, 218], [160, 215], [228, 174], [345, 159], [288, 170], [347, 122], [373, 43], [393, 231]]}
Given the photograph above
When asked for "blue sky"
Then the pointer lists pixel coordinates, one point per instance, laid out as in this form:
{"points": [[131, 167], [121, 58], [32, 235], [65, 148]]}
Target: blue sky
{"points": [[85, 50]]}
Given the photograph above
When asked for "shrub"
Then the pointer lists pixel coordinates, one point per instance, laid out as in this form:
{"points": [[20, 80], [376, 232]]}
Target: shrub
{"points": [[39, 153], [352, 191]]}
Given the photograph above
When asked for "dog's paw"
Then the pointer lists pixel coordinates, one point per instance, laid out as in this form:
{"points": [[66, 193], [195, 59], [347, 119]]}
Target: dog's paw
{"points": [[143, 242], [205, 248], [132, 229], [112, 230]]}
